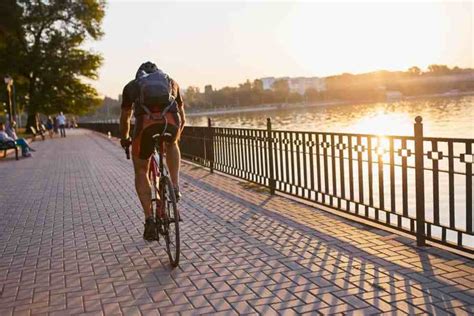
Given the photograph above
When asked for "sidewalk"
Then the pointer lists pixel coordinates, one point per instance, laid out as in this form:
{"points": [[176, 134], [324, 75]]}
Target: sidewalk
{"points": [[70, 243]]}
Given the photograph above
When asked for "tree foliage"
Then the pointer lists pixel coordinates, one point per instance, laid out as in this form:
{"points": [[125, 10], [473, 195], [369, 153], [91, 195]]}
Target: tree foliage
{"points": [[41, 48]]}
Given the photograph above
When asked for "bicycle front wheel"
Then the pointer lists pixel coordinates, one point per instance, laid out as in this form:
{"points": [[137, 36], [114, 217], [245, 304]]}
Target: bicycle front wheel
{"points": [[171, 221]]}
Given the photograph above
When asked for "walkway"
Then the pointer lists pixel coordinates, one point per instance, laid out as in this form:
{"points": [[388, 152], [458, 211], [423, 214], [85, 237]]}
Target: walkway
{"points": [[70, 243]]}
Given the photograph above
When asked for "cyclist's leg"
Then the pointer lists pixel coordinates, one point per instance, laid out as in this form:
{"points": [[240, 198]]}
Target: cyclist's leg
{"points": [[141, 152], [173, 160], [142, 184], [142, 148], [173, 154]]}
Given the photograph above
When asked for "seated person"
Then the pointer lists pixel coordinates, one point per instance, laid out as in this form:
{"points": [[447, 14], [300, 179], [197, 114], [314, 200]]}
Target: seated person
{"points": [[9, 135]]}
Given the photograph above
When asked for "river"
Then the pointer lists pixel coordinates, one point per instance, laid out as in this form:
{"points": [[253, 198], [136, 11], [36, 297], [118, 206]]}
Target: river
{"points": [[442, 117]]}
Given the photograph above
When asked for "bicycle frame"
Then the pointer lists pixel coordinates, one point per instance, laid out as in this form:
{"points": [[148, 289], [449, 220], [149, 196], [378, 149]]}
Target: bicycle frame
{"points": [[158, 167], [158, 157]]}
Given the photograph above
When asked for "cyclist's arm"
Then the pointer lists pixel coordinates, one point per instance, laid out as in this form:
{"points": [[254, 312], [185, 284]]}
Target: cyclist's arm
{"points": [[182, 114], [125, 116], [126, 110], [180, 100]]}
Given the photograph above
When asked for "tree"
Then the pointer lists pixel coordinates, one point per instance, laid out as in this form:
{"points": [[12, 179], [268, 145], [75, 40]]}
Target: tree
{"points": [[257, 91], [438, 69], [208, 92], [282, 90], [245, 87], [295, 97], [311, 94], [192, 95], [414, 71], [257, 85], [44, 49]]}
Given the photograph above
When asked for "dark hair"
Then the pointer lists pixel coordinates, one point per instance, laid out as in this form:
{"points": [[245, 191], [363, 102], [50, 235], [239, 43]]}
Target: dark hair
{"points": [[147, 67]]}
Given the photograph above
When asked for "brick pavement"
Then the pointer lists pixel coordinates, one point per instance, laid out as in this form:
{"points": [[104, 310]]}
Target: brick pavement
{"points": [[70, 243]]}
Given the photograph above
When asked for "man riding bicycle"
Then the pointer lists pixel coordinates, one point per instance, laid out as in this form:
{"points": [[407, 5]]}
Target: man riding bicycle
{"points": [[158, 108]]}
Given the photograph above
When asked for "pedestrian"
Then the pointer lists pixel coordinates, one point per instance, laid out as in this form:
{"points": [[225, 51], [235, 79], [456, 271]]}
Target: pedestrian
{"points": [[56, 126], [50, 126], [62, 124]]}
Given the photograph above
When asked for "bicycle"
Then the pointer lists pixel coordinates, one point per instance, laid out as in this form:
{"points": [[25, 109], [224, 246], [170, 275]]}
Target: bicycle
{"points": [[163, 198]]}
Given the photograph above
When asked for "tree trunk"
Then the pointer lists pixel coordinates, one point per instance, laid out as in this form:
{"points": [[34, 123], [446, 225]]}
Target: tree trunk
{"points": [[32, 120]]}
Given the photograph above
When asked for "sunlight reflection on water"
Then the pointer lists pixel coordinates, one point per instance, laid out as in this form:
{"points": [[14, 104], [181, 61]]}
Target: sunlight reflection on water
{"points": [[442, 117]]}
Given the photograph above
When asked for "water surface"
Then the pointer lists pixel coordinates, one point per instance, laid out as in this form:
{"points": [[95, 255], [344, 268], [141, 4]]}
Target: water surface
{"points": [[442, 117]]}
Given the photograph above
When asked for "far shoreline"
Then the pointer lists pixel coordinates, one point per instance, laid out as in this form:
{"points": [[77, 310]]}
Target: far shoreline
{"points": [[289, 106]]}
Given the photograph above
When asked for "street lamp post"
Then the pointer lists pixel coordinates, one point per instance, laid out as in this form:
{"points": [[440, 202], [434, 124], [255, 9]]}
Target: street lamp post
{"points": [[9, 82]]}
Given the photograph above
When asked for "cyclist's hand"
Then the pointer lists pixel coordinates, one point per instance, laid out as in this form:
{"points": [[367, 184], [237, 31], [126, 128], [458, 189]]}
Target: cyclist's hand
{"points": [[125, 143]]}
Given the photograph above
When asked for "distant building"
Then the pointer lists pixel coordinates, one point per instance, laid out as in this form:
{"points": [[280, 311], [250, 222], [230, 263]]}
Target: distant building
{"points": [[268, 82], [299, 84]]}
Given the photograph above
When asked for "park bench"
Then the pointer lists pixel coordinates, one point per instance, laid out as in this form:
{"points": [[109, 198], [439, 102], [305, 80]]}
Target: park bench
{"points": [[9, 145], [37, 133]]}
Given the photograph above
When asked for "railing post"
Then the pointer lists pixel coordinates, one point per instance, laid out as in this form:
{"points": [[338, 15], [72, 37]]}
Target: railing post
{"points": [[271, 180], [420, 182], [210, 147]]}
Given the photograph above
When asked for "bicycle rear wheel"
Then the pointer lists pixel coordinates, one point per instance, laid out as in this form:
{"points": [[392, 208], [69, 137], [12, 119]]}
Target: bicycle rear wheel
{"points": [[171, 221], [155, 195]]}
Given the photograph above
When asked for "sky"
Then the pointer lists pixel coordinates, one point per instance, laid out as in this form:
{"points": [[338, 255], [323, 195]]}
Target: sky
{"points": [[225, 43]]}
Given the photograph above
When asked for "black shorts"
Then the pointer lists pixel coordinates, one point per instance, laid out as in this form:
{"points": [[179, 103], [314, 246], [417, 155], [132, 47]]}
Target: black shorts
{"points": [[146, 127]]}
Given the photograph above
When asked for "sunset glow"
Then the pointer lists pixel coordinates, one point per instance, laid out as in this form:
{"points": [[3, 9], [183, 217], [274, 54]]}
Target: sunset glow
{"points": [[381, 122], [226, 43]]}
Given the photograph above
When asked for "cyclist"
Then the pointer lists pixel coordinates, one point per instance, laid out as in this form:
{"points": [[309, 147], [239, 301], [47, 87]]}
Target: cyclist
{"points": [[154, 96]]}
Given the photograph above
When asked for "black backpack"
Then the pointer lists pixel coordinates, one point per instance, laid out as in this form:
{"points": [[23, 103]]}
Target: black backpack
{"points": [[155, 91]]}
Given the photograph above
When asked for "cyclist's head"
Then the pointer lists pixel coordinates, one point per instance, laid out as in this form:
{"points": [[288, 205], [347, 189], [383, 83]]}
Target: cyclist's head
{"points": [[147, 67]]}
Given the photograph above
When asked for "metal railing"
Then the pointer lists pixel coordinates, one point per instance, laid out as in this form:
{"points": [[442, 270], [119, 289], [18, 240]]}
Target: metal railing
{"points": [[415, 184]]}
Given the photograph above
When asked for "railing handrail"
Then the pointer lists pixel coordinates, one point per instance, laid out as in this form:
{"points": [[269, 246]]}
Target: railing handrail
{"points": [[408, 137]]}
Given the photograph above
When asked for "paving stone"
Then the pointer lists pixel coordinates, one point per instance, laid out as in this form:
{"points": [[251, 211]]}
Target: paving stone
{"points": [[220, 304], [363, 311], [266, 310], [242, 308], [131, 310], [406, 308], [458, 311], [111, 309], [355, 301], [335, 309]]}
